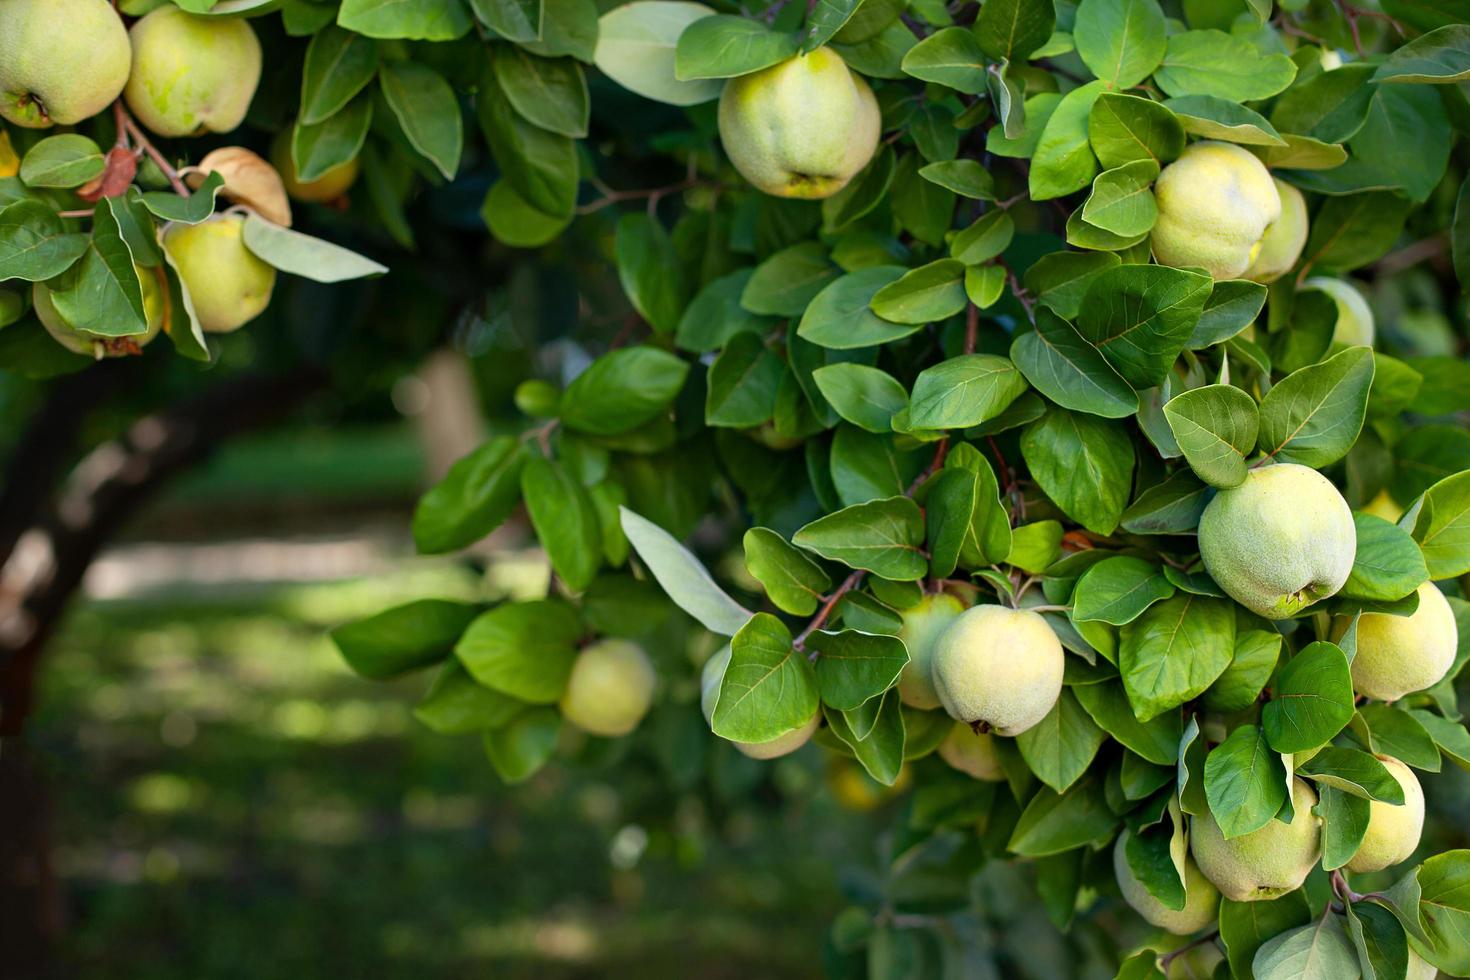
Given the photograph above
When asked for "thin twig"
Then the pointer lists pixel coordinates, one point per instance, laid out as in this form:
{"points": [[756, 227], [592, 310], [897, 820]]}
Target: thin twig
{"points": [[820, 619], [972, 328], [1169, 957], [152, 151]]}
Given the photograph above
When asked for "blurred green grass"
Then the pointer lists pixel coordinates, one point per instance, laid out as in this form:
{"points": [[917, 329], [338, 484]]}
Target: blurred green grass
{"points": [[232, 802]]}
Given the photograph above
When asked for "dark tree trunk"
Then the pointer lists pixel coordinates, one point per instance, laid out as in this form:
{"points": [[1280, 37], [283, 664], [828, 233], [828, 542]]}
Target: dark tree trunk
{"points": [[48, 538]]}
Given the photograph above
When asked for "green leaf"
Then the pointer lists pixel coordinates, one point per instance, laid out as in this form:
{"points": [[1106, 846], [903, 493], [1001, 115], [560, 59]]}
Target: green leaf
{"points": [[1245, 782], [1053, 823], [743, 383], [725, 46], [1444, 883], [319, 148], [1157, 740], [1122, 199], [1313, 416], [1312, 702], [1084, 464], [1175, 651], [413, 20], [989, 236], [68, 160], [686, 581], [1013, 29], [1223, 65], [649, 270], [637, 47], [474, 498], [865, 396], [879, 746], [1355, 772], [1380, 940], [854, 667], [1398, 733], [1240, 686], [881, 536], [622, 390], [540, 165], [923, 295], [564, 519], [1171, 507], [1118, 590], [840, 317], [1233, 305], [715, 315], [795, 583], [1388, 564], [1320, 951], [404, 638], [1122, 41], [521, 21], [1331, 106], [1215, 118], [1438, 58], [524, 649], [988, 539], [950, 57], [1127, 128], [520, 748], [101, 293], [769, 687], [1246, 926], [1354, 230], [34, 244], [1061, 747], [964, 391], [1063, 161], [966, 178], [569, 27], [548, 92], [338, 65], [1344, 822], [1442, 526], [301, 255], [949, 513], [1215, 427], [825, 19], [1141, 316], [1070, 371], [786, 282], [456, 705]]}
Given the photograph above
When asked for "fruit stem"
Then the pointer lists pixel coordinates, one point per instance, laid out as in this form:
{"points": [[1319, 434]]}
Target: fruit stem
{"points": [[972, 328], [820, 619], [1170, 956], [147, 145]]}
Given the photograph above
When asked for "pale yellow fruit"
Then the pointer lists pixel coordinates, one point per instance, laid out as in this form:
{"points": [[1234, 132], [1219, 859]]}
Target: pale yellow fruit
{"points": [[1393, 831], [328, 187], [1201, 899], [802, 128], [972, 753], [61, 61], [610, 689], [81, 342], [1355, 325], [1280, 541], [1282, 244], [1198, 963], [249, 180], [1384, 506], [1266, 863], [1398, 655], [192, 74], [227, 284], [1215, 203], [922, 625], [999, 669], [709, 695]]}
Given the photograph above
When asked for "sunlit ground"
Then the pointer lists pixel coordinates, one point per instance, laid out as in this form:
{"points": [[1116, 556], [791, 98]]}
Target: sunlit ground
{"points": [[232, 802]]}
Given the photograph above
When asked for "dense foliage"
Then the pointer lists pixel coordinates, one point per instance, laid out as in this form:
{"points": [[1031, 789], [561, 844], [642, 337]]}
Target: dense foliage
{"points": [[1049, 336]]}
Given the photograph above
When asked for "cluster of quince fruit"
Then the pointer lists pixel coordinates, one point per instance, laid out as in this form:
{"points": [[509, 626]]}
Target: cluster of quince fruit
{"points": [[180, 75]]}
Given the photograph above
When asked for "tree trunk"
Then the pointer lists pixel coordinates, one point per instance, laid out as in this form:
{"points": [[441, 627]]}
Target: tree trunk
{"points": [[31, 910]]}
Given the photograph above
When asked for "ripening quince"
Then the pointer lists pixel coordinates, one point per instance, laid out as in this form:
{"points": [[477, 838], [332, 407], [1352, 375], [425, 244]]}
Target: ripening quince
{"points": [[922, 625], [998, 669], [610, 689], [1201, 899], [802, 128], [61, 61], [1280, 541], [709, 695], [81, 342], [1398, 655], [228, 285], [1266, 863], [1384, 506], [1282, 244], [1355, 326], [1393, 831], [192, 74], [972, 753], [249, 180], [1198, 963], [1215, 203], [328, 187]]}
